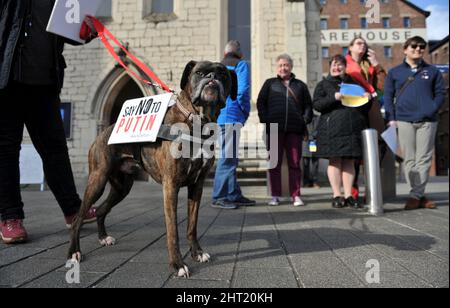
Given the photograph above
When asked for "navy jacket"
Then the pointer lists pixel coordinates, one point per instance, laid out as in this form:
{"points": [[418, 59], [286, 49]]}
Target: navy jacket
{"points": [[420, 100], [276, 105]]}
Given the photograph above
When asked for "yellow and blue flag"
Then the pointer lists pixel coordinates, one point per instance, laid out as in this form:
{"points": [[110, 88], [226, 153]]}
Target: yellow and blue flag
{"points": [[353, 95]]}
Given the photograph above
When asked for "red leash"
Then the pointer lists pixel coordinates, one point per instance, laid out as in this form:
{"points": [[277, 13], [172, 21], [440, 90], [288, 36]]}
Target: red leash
{"points": [[103, 34]]}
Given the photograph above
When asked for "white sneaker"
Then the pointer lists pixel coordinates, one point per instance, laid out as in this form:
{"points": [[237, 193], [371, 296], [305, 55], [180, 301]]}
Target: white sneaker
{"points": [[275, 202], [298, 202]]}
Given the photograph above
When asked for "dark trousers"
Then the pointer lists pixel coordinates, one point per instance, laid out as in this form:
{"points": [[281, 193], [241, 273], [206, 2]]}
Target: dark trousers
{"points": [[310, 171], [37, 108], [292, 144]]}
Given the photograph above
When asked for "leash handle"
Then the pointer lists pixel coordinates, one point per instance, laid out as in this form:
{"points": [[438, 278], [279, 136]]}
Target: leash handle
{"points": [[104, 34]]}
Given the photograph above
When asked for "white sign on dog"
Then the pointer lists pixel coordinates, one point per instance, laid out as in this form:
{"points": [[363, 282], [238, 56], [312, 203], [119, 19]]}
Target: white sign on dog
{"points": [[140, 119]]}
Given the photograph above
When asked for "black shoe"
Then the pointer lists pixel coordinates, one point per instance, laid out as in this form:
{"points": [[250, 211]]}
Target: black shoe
{"points": [[224, 204], [352, 203], [244, 202], [337, 203]]}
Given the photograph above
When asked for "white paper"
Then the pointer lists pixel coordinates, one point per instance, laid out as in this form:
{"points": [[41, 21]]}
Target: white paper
{"points": [[140, 119], [68, 15], [390, 137]]}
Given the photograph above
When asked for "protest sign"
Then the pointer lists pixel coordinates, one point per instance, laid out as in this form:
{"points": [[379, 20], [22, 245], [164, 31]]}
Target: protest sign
{"points": [[140, 119]]}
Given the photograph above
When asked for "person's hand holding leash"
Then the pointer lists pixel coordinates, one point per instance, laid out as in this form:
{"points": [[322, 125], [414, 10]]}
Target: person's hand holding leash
{"points": [[87, 31]]}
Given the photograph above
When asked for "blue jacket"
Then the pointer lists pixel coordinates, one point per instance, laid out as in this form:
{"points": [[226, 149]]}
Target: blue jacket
{"points": [[420, 100], [238, 111]]}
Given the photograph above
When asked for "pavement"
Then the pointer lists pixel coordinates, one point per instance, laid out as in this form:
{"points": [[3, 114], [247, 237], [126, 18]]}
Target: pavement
{"points": [[251, 247]]}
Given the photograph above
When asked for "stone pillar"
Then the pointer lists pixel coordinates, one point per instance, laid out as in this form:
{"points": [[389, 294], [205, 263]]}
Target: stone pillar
{"points": [[260, 28], [296, 37], [314, 43]]}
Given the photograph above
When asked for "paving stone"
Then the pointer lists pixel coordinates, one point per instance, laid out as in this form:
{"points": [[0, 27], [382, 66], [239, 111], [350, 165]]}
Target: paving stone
{"points": [[260, 246]]}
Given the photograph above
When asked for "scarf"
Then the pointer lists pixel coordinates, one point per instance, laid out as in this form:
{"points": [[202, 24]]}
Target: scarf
{"points": [[363, 74]]}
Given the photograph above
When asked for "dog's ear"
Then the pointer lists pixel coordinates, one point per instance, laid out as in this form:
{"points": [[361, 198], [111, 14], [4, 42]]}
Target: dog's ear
{"points": [[234, 85], [186, 74]]}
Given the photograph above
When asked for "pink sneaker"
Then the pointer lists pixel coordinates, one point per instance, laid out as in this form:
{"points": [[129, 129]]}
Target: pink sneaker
{"points": [[12, 231], [90, 217]]}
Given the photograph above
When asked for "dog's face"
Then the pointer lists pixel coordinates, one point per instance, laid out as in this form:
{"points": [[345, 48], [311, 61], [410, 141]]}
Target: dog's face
{"points": [[208, 85]]}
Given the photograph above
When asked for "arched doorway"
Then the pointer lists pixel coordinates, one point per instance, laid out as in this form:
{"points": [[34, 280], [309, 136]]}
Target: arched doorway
{"points": [[117, 88], [129, 90]]}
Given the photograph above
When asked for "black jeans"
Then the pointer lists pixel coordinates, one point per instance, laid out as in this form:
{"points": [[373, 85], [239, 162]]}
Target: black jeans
{"points": [[36, 107], [310, 170]]}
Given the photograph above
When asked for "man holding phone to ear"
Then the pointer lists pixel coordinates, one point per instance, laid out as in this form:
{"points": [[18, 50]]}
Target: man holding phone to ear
{"points": [[31, 78], [414, 92]]}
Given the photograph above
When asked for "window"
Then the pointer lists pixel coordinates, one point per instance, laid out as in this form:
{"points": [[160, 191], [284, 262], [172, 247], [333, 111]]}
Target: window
{"points": [[407, 22], [364, 23], [239, 25], [344, 50], [386, 22], [363, 2], [344, 23], [325, 52], [105, 9], [162, 6], [385, 1], [323, 24], [344, 1], [158, 10], [387, 52], [323, 2]]}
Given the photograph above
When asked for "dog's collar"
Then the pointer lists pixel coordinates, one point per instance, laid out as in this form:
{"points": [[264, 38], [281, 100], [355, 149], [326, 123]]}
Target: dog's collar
{"points": [[189, 115]]}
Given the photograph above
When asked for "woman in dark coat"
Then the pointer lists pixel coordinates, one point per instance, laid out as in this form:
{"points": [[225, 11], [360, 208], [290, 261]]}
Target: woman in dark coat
{"points": [[286, 101], [339, 132]]}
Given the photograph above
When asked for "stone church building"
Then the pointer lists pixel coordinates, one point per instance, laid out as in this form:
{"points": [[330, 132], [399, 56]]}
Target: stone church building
{"points": [[166, 35]]}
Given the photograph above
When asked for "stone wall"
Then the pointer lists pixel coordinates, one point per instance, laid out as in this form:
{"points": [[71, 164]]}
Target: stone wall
{"points": [[165, 46], [198, 30]]}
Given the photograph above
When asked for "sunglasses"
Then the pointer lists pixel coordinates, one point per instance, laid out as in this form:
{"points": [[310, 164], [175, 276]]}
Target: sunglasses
{"points": [[421, 46]]}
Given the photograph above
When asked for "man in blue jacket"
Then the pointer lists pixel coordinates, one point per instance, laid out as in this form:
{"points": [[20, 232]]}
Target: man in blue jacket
{"points": [[414, 92], [227, 193]]}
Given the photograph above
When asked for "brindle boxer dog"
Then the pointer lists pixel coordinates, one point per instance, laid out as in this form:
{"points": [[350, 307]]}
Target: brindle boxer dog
{"points": [[205, 87]]}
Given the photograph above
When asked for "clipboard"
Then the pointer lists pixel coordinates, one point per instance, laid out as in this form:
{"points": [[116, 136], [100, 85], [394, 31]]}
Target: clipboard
{"points": [[68, 15]]}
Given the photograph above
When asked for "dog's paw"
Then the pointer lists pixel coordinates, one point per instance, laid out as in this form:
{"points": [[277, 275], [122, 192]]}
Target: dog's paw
{"points": [[76, 257], [108, 241], [202, 258], [183, 272]]}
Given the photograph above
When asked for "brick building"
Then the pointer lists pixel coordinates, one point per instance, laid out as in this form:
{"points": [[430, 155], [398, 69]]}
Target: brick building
{"points": [[439, 56], [166, 35], [398, 20]]}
